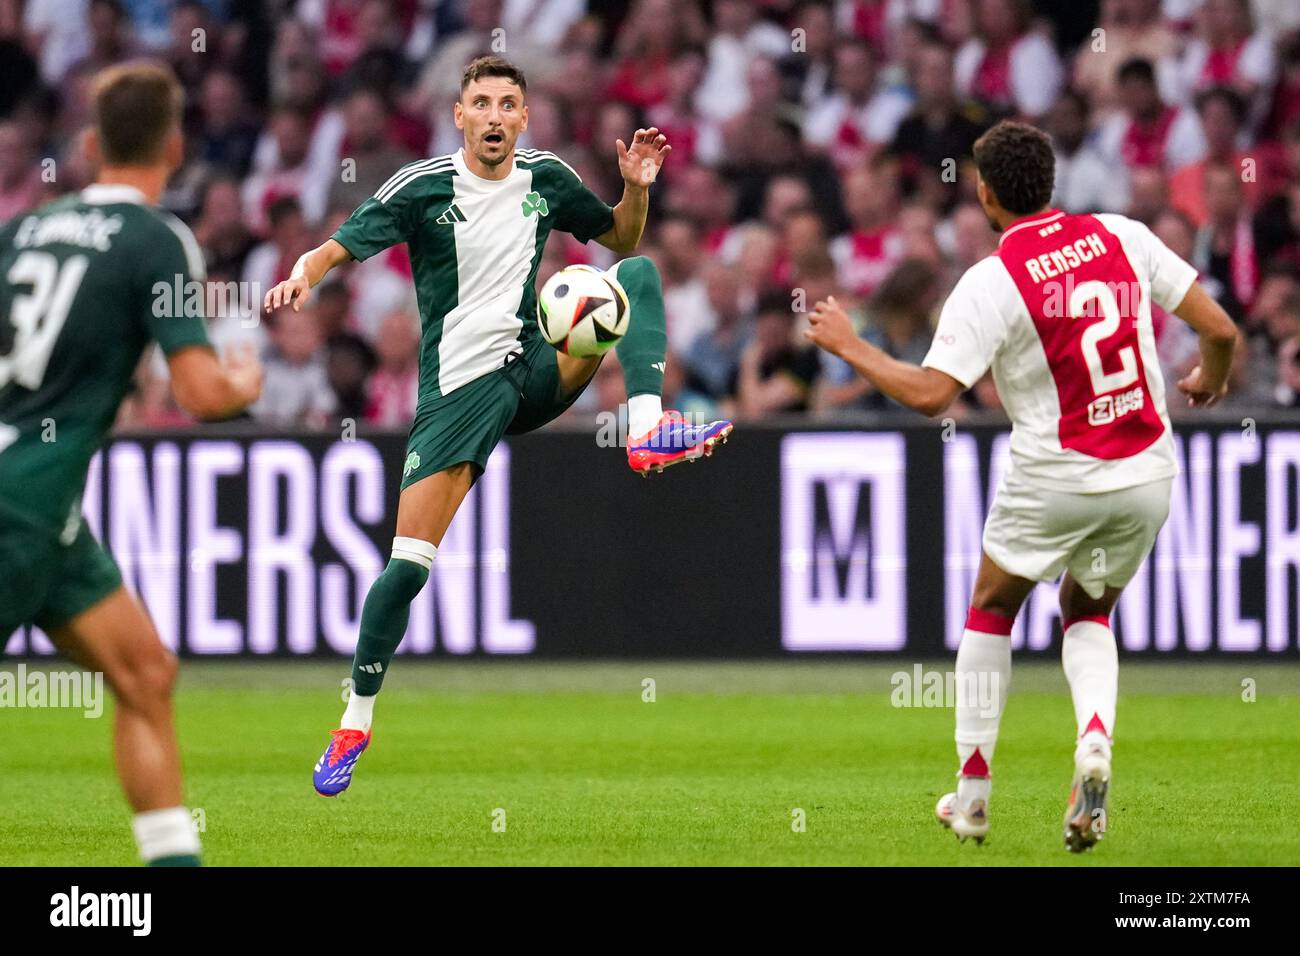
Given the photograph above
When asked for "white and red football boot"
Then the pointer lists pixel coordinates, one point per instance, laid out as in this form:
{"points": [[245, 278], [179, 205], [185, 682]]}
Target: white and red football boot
{"points": [[966, 812]]}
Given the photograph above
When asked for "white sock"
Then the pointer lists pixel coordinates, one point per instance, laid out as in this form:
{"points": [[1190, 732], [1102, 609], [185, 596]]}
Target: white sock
{"points": [[169, 832], [983, 678], [643, 414], [359, 713], [1091, 664]]}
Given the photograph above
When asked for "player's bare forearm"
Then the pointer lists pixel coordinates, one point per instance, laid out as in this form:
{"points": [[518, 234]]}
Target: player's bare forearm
{"points": [[629, 220], [211, 390], [1216, 358], [218, 405], [317, 263], [307, 273], [1208, 382], [925, 390]]}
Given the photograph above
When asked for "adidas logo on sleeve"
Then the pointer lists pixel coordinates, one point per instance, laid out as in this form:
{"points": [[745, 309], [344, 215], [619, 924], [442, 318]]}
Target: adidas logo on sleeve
{"points": [[452, 215]]}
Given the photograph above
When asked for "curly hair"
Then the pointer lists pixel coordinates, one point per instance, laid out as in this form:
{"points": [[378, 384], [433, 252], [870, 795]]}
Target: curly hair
{"points": [[1016, 162]]}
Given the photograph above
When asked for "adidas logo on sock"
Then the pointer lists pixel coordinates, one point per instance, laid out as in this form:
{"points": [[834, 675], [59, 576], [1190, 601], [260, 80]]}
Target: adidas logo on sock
{"points": [[375, 668]]}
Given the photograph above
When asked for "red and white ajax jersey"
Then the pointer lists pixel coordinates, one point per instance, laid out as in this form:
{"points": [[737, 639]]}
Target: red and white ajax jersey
{"points": [[1062, 313]]}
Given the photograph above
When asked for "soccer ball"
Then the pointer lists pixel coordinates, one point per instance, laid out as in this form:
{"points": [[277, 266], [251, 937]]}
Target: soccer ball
{"points": [[582, 311]]}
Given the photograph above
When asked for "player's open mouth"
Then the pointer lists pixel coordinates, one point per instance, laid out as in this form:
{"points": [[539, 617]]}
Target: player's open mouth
{"points": [[494, 139]]}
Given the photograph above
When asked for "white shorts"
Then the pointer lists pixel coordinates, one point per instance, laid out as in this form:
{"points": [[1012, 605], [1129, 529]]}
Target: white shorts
{"points": [[1101, 539]]}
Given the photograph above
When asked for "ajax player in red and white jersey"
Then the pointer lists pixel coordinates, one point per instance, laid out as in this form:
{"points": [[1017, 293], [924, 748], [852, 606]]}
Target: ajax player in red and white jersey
{"points": [[1061, 313]]}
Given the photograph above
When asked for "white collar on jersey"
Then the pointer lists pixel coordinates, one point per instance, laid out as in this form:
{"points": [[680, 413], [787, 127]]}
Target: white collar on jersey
{"points": [[458, 160], [97, 193], [1047, 216]]}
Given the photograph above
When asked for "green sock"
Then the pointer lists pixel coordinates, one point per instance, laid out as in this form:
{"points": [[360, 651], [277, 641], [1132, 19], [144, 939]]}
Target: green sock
{"points": [[643, 349], [383, 622], [181, 859]]}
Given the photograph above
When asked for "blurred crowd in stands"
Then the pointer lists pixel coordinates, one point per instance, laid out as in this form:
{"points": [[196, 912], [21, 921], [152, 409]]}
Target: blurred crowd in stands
{"points": [[819, 148]]}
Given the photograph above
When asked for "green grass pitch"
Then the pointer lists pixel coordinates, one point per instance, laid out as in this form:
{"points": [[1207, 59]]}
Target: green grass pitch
{"points": [[581, 770]]}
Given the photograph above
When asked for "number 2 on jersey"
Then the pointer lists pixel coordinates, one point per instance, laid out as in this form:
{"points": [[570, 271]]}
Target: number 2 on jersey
{"points": [[1090, 342], [37, 316]]}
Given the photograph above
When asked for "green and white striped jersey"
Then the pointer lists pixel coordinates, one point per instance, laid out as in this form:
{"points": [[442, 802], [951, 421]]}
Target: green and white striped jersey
{"points": [[475, 246]]}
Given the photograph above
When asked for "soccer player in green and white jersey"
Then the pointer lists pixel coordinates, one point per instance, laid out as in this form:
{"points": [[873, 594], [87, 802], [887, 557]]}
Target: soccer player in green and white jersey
{"points": [[476, 222], [78, 306]]}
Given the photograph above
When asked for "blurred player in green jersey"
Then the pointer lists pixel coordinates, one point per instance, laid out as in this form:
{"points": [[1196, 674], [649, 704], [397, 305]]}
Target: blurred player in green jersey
{"points": [[78, 307]]}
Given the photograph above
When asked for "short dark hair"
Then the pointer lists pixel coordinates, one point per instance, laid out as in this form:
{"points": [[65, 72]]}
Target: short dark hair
{"points": [[1015, 160], [485, 66], [281, 208], [135, 106], [1137, 68], [1235, 102], [775, 303]]}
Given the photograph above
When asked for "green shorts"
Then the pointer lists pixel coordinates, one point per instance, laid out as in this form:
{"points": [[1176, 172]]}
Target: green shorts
{"points": [[469, 423], [46, 582]]}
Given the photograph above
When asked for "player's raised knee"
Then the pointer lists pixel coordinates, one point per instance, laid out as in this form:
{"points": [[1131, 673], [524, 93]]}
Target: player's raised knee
{"points": [[637, 269]]}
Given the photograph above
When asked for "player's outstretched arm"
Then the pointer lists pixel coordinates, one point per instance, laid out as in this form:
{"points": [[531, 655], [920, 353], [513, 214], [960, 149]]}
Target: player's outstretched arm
{"points": [[1208, 382], [639, 164], [926, 390], [210, 389], [307, 273]]}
